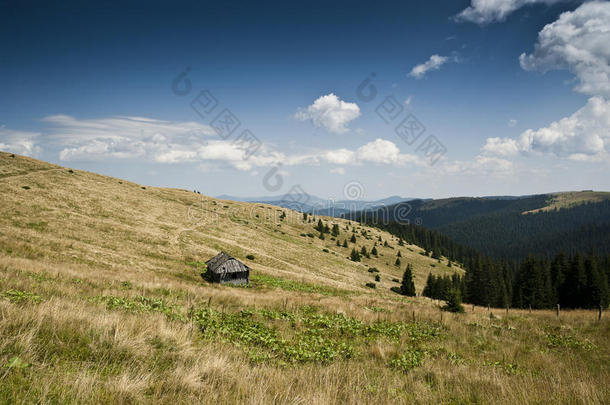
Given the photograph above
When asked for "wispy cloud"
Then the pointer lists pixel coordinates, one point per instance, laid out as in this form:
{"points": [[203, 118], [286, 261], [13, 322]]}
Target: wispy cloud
{"points": [[433, 63], [126, 137], [20, 142], [489, 11]]}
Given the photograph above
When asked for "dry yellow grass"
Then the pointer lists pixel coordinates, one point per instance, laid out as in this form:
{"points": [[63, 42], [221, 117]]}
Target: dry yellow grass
{"points": [[73, 240], [571, 199]]}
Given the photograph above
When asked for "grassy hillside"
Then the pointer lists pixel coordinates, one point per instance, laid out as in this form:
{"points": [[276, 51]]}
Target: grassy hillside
{"points": [[570, 199], [101, 301]]}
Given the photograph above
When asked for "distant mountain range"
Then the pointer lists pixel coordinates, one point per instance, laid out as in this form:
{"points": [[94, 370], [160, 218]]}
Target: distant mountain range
{"points": [[504, 227], [315, 205]]}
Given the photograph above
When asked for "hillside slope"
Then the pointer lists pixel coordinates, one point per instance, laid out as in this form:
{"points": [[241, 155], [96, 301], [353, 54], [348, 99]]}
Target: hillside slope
{"points": [[119, 227], [101, 301]]}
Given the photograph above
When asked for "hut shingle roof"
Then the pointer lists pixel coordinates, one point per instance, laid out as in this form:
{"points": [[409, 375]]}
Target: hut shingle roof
{"points": [[225, 263]]}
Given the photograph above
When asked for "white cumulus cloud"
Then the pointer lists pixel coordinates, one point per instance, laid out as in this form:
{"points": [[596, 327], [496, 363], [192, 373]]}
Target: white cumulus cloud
{"points": [[578, 41], [433, 63], [584, 135], [330, 112], [488, 11]]}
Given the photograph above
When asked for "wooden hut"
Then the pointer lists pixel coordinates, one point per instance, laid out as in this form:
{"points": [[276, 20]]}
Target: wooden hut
{"points": [[224, 268]]}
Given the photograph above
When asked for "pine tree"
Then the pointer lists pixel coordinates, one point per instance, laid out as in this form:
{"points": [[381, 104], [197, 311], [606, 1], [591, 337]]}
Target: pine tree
{"points": [[320, 226], [399, 254], [354, 256], [353, 239], [304, 217], [335, 231], [397, 262], [374, 251], [454, 302], [338, 243], [407, 287], [344, 243]]}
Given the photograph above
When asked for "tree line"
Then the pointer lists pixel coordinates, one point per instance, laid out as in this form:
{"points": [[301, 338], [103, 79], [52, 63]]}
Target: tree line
{"points": [[573, 280]]}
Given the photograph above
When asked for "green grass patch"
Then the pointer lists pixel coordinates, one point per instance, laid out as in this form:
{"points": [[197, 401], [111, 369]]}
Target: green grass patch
{"points": [[409, 360], [559, 340], [304, 335], [140, 304], [40, 226], [19, 296]]}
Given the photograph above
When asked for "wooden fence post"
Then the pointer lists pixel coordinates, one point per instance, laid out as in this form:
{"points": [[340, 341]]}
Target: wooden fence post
{"points": [[530, 308], [599, 315], [472, 307], [557, 311]]}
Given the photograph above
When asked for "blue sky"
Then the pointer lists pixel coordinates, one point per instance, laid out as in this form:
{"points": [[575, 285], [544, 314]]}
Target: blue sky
{"points": [[507, 104]]}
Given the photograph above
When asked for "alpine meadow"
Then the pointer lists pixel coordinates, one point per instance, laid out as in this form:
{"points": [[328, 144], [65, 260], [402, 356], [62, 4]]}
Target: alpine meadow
{"points": [[318, 203]]}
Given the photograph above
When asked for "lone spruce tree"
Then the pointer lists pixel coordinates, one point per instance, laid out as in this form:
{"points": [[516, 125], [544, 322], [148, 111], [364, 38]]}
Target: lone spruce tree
{"points": [[454, 302], [407, 287], [335, 231], [354, 256]]}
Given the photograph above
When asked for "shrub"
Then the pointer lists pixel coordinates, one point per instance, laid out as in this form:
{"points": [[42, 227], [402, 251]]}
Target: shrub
{"points": [[371, 285], [373, 270], [377, 277], [250, 257], [325, 250], [396, 290]]}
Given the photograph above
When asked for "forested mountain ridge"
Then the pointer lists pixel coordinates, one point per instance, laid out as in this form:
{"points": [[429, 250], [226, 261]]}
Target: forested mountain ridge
{"points": [[510, 229]]}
